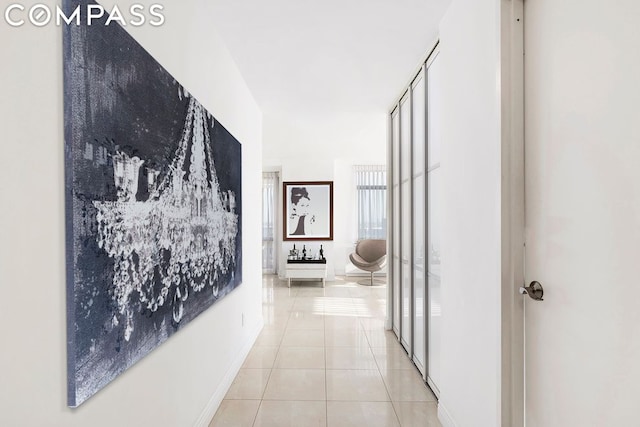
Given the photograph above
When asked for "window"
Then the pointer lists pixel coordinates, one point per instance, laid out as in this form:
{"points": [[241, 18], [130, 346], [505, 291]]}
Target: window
{"points": [[371, 188], [269, 200]]}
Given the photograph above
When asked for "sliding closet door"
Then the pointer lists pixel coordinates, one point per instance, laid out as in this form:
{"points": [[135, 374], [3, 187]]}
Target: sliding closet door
{"points": [[405, 221], [434, 220], [395, 203], [417, 217], [418, 143]]}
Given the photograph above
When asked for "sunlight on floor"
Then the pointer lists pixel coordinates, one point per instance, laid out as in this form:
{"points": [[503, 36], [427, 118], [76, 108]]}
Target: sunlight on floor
{"points": [[324, 358]]}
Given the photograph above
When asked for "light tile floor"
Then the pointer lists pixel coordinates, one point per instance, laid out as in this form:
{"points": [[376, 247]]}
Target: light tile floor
{"points": [[324, 359]]}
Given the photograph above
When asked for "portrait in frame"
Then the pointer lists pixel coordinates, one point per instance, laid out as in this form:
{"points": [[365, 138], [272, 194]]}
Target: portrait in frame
{"points": [[308, 210]]}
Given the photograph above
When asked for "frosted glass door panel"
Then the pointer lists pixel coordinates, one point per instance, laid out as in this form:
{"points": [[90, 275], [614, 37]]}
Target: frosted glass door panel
{"points": [[435, 328], [435, 110], [419, 347], [395, 177], [395, 134], [418, 123], [405, 339], [434, 224], [397, 280], [434, 242], [405, 217], [405, 139], [418, 204], [397, 269], [406, 262]]}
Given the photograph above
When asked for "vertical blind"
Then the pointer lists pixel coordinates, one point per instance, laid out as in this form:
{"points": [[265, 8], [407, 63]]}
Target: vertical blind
{"points": [[371, 188], [270, 185]]}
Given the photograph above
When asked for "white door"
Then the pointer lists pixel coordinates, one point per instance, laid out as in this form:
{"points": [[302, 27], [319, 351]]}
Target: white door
{"points": [[582, 175]]}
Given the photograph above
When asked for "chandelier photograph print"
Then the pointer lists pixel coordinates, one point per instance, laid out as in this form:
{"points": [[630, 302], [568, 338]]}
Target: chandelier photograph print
{"points": [[153, 205]]}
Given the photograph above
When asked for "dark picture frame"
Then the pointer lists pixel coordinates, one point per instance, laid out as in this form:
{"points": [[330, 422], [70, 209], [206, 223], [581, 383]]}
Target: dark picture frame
{"points": [[307, 210]]}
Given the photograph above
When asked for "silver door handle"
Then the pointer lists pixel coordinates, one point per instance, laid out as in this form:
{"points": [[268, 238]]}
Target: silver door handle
{"points": [[534, 290]]}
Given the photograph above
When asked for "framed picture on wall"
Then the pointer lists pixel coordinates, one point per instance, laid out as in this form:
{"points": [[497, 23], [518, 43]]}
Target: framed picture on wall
{"points": [[308, 210]]}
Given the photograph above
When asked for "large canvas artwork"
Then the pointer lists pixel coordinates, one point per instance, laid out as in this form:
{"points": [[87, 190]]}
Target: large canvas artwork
{"points": [[153, 205]]}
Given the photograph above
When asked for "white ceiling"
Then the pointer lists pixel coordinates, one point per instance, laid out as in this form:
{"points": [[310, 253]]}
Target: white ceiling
{"points": [[329, 56]]}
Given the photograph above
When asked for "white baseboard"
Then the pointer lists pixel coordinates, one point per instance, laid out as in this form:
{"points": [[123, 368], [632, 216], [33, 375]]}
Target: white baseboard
{"points": [[216, 399], [445, 417]]}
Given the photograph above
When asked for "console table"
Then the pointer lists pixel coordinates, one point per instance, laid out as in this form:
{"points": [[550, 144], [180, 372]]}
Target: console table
{"points": [[306, 269]]}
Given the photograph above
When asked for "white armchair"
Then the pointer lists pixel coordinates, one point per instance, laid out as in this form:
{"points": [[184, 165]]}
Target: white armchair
{"points": [[370, 255]]}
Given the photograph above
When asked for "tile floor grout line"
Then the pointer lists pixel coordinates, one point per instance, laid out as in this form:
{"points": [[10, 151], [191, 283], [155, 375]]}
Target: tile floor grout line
{"points": [[255, 417], [326, 386], [382, 377], [272, 368], [383, 381], [365, 303]]}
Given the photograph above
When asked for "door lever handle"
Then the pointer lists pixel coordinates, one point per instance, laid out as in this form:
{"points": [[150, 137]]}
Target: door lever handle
{"points": [[534, 290]]}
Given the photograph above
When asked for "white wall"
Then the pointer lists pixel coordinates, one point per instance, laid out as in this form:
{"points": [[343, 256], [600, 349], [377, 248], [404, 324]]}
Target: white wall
{"points": [[325, 148], [174, 384], [471, 250]]}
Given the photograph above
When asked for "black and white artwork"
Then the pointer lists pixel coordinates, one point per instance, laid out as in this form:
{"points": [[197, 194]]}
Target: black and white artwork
{"points": [[153, 205], [308, 210]]}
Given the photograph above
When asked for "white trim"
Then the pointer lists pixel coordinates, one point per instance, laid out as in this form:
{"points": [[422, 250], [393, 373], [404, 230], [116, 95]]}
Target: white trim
{"points": [[431, 52], [445, 417], [216, 399], [433, 55], [420, 366], [433, 387], [511, 363]]}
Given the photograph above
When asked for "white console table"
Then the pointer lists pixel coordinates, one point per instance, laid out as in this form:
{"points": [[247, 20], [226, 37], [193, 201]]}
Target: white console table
{"points": [[306, 269]]}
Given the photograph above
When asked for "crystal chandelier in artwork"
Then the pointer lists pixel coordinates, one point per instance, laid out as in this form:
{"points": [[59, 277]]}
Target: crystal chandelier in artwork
{"points": [[182, 237], [153, 205]]}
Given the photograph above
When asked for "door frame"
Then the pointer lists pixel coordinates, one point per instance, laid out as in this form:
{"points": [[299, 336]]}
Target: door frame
{"points": [[512, 387]]}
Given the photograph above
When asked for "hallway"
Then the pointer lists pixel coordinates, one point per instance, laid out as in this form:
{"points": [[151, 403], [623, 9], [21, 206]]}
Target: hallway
{"points": [[324, 359]]}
